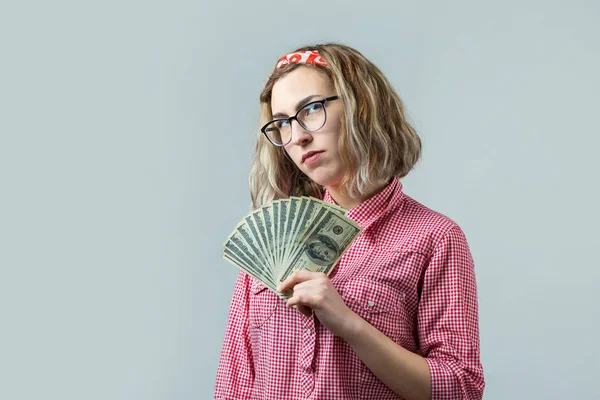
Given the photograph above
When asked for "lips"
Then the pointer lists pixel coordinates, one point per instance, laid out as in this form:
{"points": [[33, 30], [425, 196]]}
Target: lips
{"points": [[310, 154]]}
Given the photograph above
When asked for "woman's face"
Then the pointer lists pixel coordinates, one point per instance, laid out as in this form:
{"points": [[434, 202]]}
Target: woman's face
{"points": [[289, 94]]}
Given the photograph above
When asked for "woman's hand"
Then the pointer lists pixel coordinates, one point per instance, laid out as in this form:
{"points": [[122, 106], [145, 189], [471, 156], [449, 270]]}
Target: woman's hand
{"points": [[313, 290]]}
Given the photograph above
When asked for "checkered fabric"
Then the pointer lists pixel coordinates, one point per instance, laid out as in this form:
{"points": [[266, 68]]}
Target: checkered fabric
{"points": [[410, 274]]}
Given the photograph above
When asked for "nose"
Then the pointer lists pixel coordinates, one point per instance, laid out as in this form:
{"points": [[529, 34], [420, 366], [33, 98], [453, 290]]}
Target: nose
{"points": [[300, 136]]}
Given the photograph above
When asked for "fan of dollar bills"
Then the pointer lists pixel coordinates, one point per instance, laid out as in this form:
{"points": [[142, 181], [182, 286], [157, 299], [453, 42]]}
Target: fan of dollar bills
{"points": [[287, 235]]}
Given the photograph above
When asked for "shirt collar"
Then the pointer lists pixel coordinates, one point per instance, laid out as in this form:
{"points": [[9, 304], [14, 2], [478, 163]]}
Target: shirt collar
{"points": [[371, 209]]}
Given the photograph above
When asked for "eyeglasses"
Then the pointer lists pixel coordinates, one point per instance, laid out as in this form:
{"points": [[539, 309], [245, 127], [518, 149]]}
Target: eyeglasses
{"points": [[311, 117]]}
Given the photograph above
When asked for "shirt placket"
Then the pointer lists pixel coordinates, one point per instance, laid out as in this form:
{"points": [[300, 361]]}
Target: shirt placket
{"points": [[307, 354]]}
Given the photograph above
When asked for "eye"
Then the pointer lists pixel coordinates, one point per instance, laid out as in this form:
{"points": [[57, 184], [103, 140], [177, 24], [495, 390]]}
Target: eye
{"points": [[282, 123], [312, 108]]}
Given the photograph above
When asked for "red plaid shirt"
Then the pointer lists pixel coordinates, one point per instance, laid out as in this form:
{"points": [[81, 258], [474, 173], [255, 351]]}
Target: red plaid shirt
{"points": [[410, 274]]}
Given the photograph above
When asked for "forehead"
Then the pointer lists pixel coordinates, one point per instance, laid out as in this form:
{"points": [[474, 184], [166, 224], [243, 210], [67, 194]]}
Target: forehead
{"points": [[297, 85]]}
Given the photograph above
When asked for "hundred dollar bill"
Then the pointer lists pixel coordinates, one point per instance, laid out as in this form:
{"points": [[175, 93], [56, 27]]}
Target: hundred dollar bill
{"points": [[292, 216], [235, 244], [334, 207], [313, 210], [299, 215], [241, 253], [267, 218], [261, 234], [313, 214], [283, 209], [321, 210], [323, 245], [241, 265], [290, 234], [275, 214], [252, 238]]}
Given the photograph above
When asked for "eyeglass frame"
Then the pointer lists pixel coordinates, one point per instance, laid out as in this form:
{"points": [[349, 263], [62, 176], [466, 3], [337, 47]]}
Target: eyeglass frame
{"points": [[295, 117]]}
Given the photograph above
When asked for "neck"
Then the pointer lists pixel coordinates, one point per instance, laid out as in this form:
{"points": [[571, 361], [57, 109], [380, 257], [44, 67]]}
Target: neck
{"points": [[349, 201]]}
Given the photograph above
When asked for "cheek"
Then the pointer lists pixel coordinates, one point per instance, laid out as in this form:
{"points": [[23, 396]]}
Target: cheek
{"points": [[333, 134], [292, 154], [334, 121]]}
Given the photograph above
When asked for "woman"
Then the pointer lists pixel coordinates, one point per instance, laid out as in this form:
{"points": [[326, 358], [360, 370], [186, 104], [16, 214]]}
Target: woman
{"points": [[398, 316]]}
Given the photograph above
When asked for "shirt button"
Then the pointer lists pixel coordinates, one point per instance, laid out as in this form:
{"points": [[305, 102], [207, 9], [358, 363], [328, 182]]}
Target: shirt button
{"points": [[308, 331], [371, 303]]}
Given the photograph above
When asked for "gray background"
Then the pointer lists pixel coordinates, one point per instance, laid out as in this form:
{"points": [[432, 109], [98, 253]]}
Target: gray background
{"points": [[127, 129]]}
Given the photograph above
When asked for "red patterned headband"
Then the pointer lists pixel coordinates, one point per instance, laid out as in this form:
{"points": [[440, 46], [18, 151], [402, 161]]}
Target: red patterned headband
{"points": [[302, 57]]}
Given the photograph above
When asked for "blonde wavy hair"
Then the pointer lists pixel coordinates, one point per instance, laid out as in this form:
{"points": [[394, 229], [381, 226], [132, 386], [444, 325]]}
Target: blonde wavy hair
{"points": [[376, 141]]}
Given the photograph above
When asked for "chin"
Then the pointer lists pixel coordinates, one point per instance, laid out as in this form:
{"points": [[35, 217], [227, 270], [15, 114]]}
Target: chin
{"points": [[325, 179]]}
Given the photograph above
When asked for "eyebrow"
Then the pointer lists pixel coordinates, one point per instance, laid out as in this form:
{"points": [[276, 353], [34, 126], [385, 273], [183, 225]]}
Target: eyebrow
{"points": [[300, 104]]}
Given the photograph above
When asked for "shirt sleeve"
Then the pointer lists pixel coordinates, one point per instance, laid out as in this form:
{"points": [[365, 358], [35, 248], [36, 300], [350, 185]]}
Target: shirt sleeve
{"points": [[448, 322], [235, 373]]}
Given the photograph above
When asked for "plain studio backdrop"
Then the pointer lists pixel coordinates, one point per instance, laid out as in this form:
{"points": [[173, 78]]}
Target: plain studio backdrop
{"points": [[127, 129]]}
